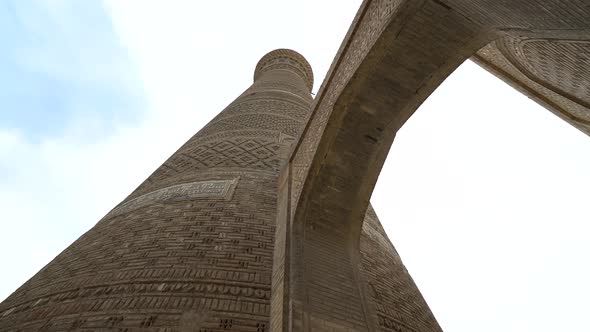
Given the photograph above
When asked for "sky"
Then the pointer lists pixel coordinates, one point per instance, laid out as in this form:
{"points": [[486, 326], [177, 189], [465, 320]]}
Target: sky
{"points": [[483, 192]]}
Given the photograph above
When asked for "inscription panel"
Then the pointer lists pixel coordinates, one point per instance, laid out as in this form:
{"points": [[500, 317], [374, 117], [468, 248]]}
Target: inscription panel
{"points": [[221, 189]]}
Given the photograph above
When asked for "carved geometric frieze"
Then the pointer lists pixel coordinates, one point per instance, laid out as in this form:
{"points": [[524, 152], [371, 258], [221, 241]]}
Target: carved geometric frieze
{"points": [[555, 72]]}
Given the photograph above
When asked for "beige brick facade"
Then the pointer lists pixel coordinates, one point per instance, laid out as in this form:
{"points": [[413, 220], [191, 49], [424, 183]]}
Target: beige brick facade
{"points": [[262, 222]]}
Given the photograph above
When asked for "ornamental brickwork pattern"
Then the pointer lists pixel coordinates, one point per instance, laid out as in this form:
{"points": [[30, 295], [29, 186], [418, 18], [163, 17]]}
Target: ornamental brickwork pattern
{"points": [[191, 249]]}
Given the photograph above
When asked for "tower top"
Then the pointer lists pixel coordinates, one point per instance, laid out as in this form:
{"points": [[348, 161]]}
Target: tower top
{"points": [[285, 59]]}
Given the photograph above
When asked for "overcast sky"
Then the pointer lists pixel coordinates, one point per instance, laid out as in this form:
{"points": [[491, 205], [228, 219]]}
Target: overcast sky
{"points": [[484, 193]]}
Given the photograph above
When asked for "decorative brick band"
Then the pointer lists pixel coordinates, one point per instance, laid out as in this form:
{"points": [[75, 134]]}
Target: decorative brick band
{"points": [[285, 59]]}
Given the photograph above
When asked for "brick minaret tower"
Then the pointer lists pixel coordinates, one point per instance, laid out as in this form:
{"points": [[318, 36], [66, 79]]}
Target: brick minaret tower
{"points": [[191, 249]]}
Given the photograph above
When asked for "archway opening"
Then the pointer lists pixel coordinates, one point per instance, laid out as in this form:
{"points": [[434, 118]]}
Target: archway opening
{"points": [[484, 194]]}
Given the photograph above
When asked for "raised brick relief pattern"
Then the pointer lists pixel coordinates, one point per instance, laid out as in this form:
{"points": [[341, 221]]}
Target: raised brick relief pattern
{"points": [[163, 259], [560, 65], [191, 248]]}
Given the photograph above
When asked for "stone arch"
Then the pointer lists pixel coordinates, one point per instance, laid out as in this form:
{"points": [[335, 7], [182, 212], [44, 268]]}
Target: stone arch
{"points": [[394, 56]]}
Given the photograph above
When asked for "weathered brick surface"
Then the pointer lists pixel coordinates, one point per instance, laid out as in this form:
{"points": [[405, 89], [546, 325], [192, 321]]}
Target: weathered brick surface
{"points": [[394, 56], [191, 249], [261, 220]]}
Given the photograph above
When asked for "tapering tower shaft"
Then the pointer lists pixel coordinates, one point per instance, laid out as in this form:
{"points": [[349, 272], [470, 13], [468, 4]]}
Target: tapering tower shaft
{"points": [[191, 248], [202, 244]]}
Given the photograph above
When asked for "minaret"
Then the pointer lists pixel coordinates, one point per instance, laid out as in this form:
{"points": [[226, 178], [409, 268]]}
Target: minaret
{"points": [[191, 248]]}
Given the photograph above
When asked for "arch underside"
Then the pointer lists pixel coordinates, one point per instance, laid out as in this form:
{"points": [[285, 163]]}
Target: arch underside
{"points": [[394, 56]]}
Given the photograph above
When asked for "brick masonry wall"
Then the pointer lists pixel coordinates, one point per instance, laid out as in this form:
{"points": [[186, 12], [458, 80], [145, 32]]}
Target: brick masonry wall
{"points": [[191, 248]]}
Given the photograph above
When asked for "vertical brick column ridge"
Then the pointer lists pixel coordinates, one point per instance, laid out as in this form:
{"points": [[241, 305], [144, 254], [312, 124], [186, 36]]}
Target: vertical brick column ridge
{"points": [[191, 248]]}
